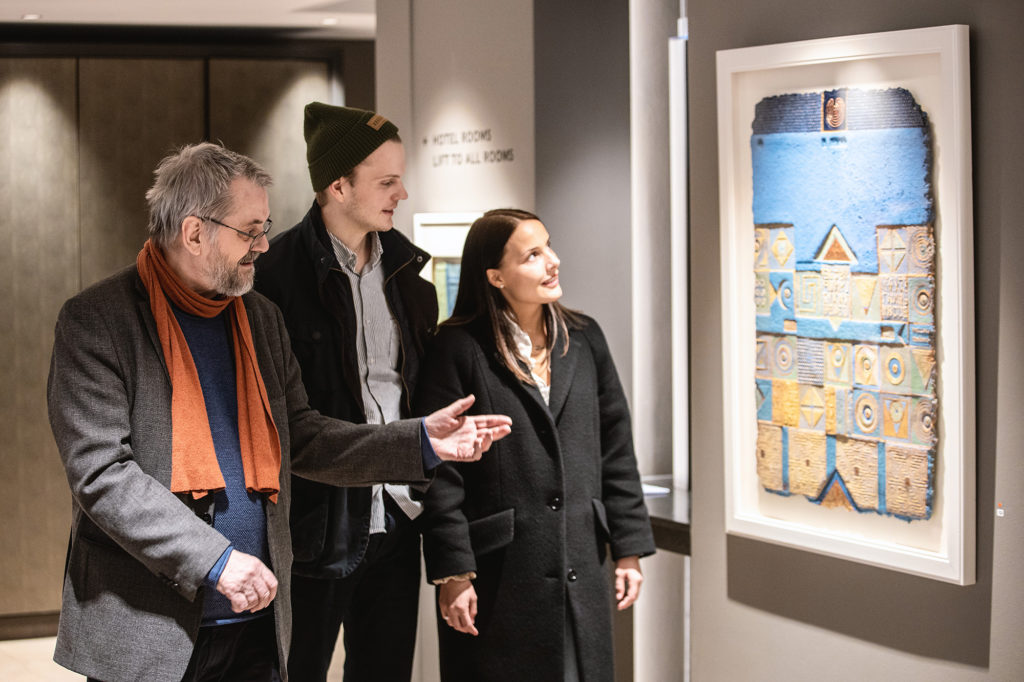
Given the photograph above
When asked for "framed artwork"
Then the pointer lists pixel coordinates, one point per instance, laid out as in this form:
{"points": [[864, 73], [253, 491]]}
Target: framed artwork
{"points": [[847, 296], [442, 236]]}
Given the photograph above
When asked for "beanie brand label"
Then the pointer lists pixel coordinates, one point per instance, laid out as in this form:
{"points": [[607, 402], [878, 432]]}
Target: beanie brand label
{"points": [[376, 121]]}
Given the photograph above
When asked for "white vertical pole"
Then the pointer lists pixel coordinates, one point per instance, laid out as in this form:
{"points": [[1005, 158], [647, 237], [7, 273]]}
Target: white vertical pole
{"points": [[679, 196], [679, 231]]}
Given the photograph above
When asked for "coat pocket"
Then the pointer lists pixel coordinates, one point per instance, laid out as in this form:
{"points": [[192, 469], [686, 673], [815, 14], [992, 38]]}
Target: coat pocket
{"points": [[492, 532]]}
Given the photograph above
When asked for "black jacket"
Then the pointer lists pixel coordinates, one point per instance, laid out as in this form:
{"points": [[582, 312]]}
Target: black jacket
{"points": [[330, 526], [535, 516]]}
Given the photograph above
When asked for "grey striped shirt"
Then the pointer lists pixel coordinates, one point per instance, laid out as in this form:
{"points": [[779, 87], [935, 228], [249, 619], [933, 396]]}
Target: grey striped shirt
{"points": [[377, 351]]}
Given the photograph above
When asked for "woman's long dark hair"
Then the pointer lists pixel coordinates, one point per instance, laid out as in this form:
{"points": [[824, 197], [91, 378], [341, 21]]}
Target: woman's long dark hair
{"points": [[476, 299]]}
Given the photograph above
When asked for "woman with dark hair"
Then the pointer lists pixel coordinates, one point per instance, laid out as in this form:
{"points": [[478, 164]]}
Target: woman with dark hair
{"points": [[518, 542]]}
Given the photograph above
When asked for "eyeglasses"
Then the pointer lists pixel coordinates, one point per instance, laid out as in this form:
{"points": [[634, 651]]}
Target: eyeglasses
{"points": [[249, 236]]}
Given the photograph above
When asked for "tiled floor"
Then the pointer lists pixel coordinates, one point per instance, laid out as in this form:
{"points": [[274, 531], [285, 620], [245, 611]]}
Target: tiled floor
{"points": [[31, 660]]}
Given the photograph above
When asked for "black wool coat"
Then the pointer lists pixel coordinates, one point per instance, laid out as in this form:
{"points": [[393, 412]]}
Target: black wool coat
{"points": [[535, 517]]}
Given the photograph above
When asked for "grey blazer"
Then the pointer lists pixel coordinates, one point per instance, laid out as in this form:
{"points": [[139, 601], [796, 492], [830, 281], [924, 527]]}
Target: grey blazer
{"points": [[138, 554]]}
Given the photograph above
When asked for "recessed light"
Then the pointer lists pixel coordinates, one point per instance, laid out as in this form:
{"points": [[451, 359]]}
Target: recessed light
{"points": [[31, 17], [330, 21]]}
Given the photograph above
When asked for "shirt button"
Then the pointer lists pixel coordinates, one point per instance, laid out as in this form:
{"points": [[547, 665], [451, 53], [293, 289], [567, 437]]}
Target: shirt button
{"points": [[555, 503], [572, 575]]}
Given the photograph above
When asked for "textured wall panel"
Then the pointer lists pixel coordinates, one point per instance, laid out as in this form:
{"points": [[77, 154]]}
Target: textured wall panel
{"points": [[256, 108], [133, 112], [39, 269]]}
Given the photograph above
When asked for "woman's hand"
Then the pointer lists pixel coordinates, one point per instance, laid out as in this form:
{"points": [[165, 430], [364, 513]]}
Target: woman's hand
{"points": [[628, 579], [457, 600]]}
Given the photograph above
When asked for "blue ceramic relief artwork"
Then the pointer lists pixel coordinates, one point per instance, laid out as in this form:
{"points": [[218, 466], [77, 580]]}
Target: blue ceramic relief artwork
{"points": [[844, 272]]}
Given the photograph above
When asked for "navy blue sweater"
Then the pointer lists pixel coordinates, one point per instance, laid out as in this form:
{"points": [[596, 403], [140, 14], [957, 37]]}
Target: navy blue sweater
{"points": [[238, 514]]}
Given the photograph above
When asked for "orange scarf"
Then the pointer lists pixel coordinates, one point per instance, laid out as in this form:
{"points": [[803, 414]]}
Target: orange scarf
{"points": [[194, 467]]}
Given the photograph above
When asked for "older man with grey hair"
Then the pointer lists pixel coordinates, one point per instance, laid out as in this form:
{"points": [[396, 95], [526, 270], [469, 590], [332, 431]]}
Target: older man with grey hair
{"points": [[180, 415]]}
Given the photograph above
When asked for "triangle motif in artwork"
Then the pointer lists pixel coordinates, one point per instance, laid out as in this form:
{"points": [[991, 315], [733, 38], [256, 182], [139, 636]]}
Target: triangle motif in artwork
{"points": [[835, 249]]}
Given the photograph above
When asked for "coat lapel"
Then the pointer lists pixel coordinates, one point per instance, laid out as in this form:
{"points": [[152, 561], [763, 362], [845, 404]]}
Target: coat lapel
{"points": [[563, 371], [529, 389], [146, 314]]}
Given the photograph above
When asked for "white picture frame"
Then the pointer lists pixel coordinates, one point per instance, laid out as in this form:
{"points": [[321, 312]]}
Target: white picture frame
{"points": [[442, 236], [932, 63]]}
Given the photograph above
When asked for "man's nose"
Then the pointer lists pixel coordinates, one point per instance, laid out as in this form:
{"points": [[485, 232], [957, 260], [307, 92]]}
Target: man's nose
{"points": [[260, 244]]}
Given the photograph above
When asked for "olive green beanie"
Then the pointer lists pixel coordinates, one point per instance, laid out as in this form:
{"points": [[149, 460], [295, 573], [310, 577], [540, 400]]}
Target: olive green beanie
{"points": [[339, 138]]}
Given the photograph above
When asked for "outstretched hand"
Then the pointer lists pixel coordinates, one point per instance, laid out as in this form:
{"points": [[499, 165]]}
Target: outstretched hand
{"points": [[458, 437]]}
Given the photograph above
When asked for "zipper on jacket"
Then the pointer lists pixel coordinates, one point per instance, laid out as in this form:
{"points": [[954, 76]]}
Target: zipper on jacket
{"points": [[401, 341]]}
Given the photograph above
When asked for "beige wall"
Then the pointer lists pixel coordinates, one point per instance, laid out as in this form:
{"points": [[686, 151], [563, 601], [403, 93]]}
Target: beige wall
{"points": [[39, 265], [267, 124], [131, 113], [763, 612]]}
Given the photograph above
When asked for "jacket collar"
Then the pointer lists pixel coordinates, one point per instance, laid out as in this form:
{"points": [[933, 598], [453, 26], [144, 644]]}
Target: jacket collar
{"points": [[563, 371], [397, 249]]}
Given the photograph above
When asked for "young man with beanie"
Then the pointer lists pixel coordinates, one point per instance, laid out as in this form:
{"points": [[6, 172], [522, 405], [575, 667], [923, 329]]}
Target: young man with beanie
{"points": [[358, 314]]}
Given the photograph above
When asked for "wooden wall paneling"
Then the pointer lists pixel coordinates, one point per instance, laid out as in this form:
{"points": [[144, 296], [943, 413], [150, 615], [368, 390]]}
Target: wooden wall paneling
{"points": [[39, 269], [256, 108], [133, 113]]}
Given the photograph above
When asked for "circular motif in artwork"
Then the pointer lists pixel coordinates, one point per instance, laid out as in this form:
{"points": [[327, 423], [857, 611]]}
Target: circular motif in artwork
{"points": [[896, 411], [924, 421], [786, 294], [784, 356], [865, 359], [922, 248], [923, 300], [835, 111], [836, 357], [894, 367], [866, 412]]}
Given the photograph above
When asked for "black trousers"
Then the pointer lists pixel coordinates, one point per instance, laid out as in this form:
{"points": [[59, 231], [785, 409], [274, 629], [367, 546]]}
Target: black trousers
{"points": [[237, 652], [378, 605]]}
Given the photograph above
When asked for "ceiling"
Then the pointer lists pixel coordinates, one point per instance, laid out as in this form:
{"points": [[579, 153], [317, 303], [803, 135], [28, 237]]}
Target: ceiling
{"points": [[327, 18]]}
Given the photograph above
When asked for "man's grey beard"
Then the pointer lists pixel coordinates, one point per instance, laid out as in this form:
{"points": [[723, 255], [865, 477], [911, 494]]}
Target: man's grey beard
{"points": [[229, 280]]}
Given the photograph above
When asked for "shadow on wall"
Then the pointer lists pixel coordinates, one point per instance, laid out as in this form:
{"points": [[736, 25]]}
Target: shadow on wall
{"points": [[897, 610]]}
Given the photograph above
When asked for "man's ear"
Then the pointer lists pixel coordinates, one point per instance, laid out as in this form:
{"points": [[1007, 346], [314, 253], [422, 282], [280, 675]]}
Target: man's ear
{"points": [[338, 190], [193, 236], [494, 278]]}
